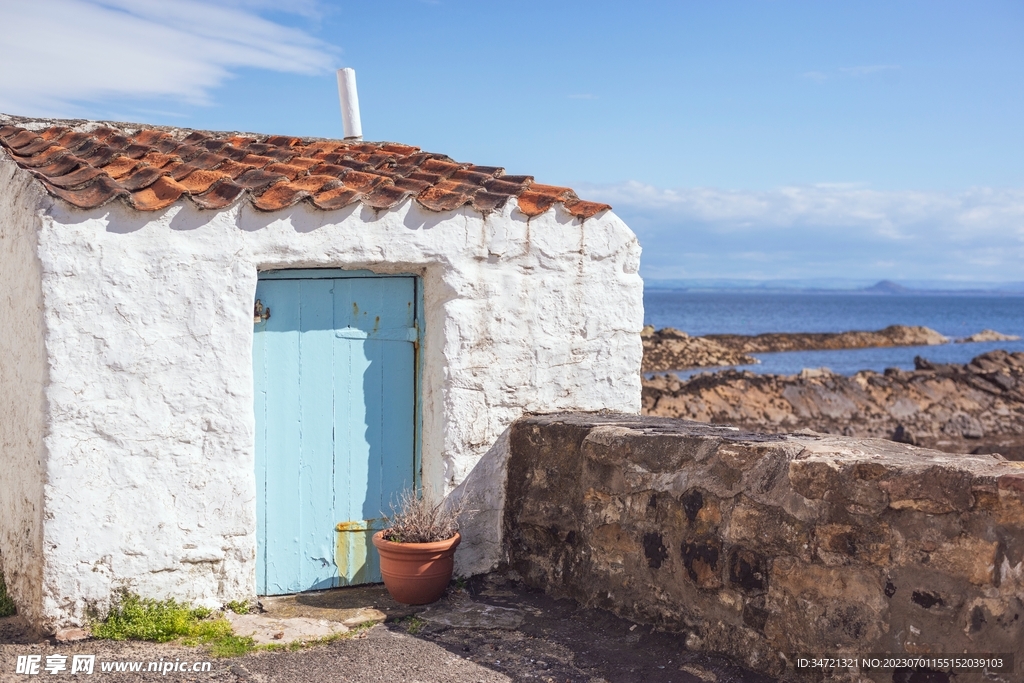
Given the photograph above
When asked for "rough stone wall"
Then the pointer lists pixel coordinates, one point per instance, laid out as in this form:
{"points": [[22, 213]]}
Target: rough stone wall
{"points": [[23, 376], [766, 546], [149, 335]]}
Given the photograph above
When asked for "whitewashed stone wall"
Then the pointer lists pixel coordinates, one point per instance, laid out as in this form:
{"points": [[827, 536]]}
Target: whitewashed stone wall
{"points": [[23, 376], [148, 318]]}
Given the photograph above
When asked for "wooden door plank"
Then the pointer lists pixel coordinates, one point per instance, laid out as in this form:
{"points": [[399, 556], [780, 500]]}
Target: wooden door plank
{"points": [[398, 408], [351, 450], [316, 452], [283, 436]]}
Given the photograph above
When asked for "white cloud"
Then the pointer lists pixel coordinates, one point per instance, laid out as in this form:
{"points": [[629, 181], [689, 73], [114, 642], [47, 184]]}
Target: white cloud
{"points": [[842, 230], [58, 53]]}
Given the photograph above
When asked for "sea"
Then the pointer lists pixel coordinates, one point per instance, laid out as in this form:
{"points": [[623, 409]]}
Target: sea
{"points": [[954, 315]]}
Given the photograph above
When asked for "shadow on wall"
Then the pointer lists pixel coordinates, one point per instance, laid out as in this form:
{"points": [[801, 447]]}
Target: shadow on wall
{"points": [[483, 490]]}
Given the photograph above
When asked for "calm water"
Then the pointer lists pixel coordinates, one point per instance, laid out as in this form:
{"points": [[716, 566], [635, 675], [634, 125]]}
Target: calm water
{"points": [[700, 313]]}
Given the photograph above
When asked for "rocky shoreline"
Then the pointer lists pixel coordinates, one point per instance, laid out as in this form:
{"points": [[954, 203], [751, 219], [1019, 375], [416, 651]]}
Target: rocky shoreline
{"points": [[977, 407], [672, 349], [894, 335]]}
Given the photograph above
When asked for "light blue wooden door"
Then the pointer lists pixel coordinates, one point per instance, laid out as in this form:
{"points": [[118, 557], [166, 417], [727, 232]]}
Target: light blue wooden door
{"points": [[334, 367]]}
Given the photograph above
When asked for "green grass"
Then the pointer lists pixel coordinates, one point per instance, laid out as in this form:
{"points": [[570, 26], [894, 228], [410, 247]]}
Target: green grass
{"points": [[161, 621], [239, 607], [7, 607], [231, 646], [135, 618]]}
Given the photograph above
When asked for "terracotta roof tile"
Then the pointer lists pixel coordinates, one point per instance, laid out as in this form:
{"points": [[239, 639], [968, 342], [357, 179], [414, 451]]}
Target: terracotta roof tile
{"points": [[362, 182], [152, 168], [283, 140], [161, 194], [535, 203], [411, 185], [199, 181], [158, 159], [222, 194], [256, 160], [34, 147], [234, 168], [137, 151], [446, 195], [141, 178], [304, 162], [472, 177], [76, 178], [149, 137], [485, 201], [44, 159], [292, 172], [52, 133], [582, 209], [63, 164], [337, 198], [120, 167], [257, 179], [96, 193], [385, 196], [238, 153], [522, 179], [280, 196], [72, 140], [317, 183], [101, 155], [18, 139]]}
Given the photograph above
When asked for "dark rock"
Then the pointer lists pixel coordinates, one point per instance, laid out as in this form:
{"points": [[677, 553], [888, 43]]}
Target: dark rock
{"points": [[977, 407]]}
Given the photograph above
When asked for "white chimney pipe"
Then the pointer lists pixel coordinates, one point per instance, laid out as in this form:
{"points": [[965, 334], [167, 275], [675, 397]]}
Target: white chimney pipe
{"points": [[349, 104]]}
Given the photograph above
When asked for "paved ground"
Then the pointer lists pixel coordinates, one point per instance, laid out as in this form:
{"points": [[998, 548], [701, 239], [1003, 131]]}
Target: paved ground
{"points": [[491, 630]]}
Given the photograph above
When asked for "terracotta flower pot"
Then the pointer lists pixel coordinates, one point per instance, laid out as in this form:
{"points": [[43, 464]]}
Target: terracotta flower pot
{"points": [[416, 573]]}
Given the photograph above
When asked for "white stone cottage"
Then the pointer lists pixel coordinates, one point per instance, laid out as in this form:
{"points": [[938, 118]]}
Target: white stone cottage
{"points": [[222, 355]]}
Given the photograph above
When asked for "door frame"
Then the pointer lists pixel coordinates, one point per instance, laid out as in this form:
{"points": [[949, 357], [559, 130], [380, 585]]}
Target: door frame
{"points": [[418, 322]]}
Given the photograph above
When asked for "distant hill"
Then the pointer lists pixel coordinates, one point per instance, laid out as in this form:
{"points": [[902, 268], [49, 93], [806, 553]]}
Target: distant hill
{"points": [[838, 286], [888, 287]]}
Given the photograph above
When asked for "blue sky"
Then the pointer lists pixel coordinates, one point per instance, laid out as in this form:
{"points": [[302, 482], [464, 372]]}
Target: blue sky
{"points": [[857, 140]]}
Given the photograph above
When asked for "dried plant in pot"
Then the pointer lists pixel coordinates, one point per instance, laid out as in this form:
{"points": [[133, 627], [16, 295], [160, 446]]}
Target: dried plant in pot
{"points": [[417, 548]]}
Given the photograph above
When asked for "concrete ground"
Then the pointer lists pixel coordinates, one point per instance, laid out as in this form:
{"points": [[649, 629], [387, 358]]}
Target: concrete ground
{"points": [[491, 629]]}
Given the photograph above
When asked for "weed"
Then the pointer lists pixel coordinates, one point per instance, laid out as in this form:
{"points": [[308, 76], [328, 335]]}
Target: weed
{"points": [[239, 607], [7, 607], [231, 646], [460, 583], [136, 618], [413, 624]]}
